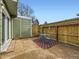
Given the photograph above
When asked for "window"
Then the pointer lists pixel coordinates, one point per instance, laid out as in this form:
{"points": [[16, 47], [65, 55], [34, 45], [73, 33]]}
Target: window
{"points": [[3, 27], [7, 28]]}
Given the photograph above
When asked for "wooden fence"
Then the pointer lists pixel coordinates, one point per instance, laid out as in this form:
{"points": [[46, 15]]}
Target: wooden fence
{"points": [[35, 30], [64, 31]]}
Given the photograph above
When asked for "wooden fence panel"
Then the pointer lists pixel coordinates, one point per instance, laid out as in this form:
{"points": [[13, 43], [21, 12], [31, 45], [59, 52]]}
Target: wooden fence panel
{"points": [[45, 30], [78, 33], [67, 32], [35, 30], [72, 36], [52, 32], [62, 32], [40, 29]]}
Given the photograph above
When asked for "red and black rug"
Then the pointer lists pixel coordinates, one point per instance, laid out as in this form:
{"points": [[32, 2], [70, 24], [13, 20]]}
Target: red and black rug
{"points": [[45, 44]]}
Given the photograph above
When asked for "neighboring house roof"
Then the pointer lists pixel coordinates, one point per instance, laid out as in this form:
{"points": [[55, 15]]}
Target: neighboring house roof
{"points": [[11, 6]]}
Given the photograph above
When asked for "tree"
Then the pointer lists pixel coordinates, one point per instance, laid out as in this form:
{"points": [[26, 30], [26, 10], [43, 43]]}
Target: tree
{"points": [[37, 22], [45, 22], [24, 10], [77, 14]]}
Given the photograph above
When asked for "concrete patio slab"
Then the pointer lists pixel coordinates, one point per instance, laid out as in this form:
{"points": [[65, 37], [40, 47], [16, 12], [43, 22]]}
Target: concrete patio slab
{"points": [[27, 49]]}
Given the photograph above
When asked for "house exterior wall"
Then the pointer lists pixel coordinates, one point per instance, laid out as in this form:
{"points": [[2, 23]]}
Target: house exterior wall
{"points": [[16, 28], [0, 26], [26, 28], [22, 27], [7, 39]]}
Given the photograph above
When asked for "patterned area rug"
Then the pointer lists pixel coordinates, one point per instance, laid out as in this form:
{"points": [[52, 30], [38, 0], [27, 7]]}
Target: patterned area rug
{"points": [[45, 44]]}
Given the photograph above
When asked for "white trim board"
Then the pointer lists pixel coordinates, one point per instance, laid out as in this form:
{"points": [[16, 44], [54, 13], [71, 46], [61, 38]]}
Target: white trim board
{"points": [[5, 46], [23, 17]]}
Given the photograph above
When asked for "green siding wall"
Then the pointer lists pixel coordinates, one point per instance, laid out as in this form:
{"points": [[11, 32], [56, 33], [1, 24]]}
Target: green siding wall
{"points": [[16, 28], [22, 27], [0, 26], [26, 26]]}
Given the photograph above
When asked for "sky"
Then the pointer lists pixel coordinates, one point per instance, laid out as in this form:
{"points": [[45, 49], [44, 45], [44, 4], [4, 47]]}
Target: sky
{"points": [[53, 10]]}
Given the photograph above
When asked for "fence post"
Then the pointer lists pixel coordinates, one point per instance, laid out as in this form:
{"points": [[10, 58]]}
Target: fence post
{"points": [[57, 33]]}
